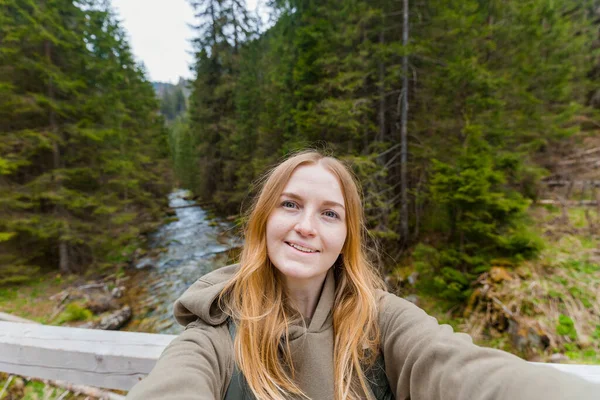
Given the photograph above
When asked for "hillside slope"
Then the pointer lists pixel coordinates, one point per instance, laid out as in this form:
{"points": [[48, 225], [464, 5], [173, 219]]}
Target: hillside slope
{"points": [[547, 309]]}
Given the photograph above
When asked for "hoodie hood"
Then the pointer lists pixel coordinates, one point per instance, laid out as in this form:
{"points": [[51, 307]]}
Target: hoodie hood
{"points": [[201, 299]]}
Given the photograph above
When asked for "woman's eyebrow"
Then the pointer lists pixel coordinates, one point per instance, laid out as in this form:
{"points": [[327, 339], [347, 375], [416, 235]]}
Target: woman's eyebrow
{"points": [[326, 202]]}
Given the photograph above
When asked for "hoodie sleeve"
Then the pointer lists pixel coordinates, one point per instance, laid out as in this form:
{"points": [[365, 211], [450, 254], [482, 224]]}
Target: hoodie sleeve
{"points": [[196, 365], [425, 360]]}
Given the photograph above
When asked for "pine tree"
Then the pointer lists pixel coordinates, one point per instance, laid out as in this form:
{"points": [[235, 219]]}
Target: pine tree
{"points": [[223, 26], [81, 141]]}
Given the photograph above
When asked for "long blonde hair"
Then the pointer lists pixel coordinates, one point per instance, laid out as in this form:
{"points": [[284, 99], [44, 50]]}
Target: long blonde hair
{"points": [[255, 296]]}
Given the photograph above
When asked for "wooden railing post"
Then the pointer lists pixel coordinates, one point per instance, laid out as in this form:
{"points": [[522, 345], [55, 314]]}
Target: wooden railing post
{"points": [[105, 359]]}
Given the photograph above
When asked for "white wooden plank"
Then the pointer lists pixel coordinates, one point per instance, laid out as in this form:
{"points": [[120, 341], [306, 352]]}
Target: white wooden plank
{"points": [[108, 359], [112, 360], [587, 372]]}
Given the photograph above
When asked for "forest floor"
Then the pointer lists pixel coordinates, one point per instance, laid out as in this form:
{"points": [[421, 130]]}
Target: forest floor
{"points": [[546, 309], [542, 310], [32, 299]]}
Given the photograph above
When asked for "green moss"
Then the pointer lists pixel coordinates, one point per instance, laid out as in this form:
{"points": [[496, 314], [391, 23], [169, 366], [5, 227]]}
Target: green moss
{"points": [[587, 356], [571, 347], [566, 327], [74, 312], [589, 353]]}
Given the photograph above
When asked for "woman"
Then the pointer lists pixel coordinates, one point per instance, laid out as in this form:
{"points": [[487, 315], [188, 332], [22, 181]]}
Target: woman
{"points": [[304, 315]]}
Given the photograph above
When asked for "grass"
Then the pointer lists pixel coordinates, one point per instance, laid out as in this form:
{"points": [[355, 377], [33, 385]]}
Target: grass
{"points": [[555, 296], [568, 275], [31, 300], [21, 388]]}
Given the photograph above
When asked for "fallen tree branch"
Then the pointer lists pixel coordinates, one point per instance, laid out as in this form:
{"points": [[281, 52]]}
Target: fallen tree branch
{"points": [[86, 390], [8, 381], [116, 320], [585, 152], [568, 202], [91, 286], [63, 395], [504, 308], [566, 183]]}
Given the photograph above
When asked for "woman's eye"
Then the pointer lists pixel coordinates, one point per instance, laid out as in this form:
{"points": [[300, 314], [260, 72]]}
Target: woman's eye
{"points": [[288, 204], [331, 214]]}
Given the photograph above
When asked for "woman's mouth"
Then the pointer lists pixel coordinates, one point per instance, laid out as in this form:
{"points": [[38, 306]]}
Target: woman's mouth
{"points": [[301, 248]]}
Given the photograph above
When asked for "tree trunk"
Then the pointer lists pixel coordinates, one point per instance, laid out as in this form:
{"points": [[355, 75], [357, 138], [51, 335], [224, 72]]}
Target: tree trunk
{"points": [[418, 206], [381, 69], [63, 248], [403, 133]]}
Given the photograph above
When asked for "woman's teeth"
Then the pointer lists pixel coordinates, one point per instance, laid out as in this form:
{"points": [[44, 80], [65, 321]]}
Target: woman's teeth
{"points": [[301, 248]]}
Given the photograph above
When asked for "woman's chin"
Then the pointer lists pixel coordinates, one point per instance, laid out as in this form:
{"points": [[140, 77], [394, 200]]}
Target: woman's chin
{"points": [[302, 274]]}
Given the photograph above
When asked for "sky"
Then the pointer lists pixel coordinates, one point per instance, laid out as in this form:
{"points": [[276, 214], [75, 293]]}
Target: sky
{"points": [[159, 35]]}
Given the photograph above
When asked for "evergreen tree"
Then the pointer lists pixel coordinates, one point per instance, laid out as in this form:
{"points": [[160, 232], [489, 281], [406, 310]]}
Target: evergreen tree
{"points": [[484, 218], [222, 28], [81, 144]]}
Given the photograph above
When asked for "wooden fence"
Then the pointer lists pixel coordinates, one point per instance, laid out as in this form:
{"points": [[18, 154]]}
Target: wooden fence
{"points": [[109, 359], [105, 359]]}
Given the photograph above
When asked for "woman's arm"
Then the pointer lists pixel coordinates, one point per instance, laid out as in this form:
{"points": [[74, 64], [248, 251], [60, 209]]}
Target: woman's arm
{"points": [[425, 360], [194, 366]]}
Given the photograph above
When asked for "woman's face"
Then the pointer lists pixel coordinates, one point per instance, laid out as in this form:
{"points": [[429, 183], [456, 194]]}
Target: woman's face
{"points": [[307, 229]]}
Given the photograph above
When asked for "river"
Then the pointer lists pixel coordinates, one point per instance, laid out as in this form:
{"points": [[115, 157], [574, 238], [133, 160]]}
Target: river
{"points": [[191, 246]]}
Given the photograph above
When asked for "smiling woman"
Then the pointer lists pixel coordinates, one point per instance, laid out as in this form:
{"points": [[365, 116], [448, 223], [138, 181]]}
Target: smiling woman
{"points": [[306, 233], [305, 315]]}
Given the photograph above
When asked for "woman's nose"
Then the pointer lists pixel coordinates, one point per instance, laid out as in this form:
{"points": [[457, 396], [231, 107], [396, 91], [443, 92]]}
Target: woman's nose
{"points": [[305, 226]]}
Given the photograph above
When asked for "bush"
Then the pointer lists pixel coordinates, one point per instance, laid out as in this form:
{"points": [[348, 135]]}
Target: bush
{"points": [[440, 273], [521, 243], [485, 218]]}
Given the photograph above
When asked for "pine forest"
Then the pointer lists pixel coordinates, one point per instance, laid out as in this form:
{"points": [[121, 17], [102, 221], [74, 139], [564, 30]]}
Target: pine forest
{"points": [[83, 155]]}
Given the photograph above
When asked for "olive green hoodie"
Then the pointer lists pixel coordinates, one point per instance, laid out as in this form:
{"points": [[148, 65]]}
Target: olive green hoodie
{"points": [[423, 360]]}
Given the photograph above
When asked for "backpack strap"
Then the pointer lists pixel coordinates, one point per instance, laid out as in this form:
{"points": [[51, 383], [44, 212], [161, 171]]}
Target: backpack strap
{"points": [[238, 386], [378, 381]]}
